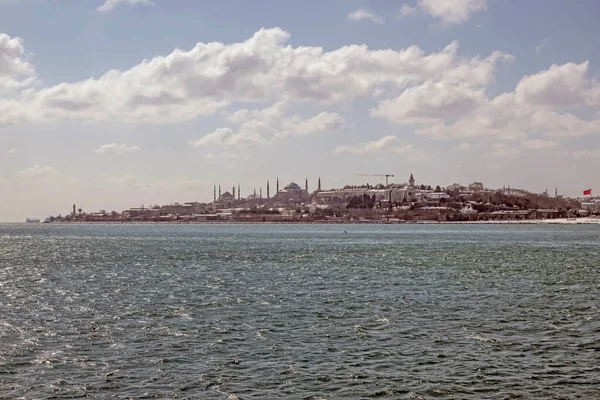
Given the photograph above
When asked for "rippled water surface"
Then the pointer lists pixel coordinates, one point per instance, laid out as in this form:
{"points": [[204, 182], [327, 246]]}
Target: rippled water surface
{"points": [[300, 311]]}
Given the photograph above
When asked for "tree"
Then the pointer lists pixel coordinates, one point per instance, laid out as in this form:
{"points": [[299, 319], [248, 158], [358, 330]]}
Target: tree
{"points": [[476, 186], [438, 189], [80, 210]]}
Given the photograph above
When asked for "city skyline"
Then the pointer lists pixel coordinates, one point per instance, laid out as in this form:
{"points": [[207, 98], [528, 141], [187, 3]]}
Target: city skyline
{"points": [[113, 103]]}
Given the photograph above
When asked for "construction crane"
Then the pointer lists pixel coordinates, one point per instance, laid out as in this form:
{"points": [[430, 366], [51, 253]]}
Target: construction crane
{"points": [[387, 176]]}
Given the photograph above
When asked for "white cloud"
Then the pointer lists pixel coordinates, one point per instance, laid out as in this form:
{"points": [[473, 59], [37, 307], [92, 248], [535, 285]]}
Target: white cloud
{"points": [[116, 148], [559, 86], [16, 73], [227, 137], [539, 48], [12, 151], [407, 10], [386, 143], [264, 125], [109, 5], [204, 80], [38, 173], [450, 12], [364, 14], [431, 101], [537, 106]]}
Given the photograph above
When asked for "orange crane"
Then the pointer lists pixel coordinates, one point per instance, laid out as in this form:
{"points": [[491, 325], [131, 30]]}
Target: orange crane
{"points": [[382, 175]]}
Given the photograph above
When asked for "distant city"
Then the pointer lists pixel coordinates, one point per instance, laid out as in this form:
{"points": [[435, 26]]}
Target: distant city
{"points": [[389, 202]]}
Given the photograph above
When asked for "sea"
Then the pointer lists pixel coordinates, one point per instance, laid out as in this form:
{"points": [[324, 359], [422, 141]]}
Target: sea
{"points": [[299, 311]]}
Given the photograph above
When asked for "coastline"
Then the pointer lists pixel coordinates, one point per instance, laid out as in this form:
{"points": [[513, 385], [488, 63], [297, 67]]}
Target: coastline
{"points": [[557, 221]]}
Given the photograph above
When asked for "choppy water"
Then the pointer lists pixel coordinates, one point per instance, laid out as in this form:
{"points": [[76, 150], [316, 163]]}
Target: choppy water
{"points": [[300, 312]]}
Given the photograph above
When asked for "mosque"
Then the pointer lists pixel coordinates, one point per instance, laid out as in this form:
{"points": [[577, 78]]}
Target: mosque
{"points": [[292, 193]]}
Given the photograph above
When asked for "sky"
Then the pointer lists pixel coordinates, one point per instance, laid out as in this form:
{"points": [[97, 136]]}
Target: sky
{"points": [[111, 104]]}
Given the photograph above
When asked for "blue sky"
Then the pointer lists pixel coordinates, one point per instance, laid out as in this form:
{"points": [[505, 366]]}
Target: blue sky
{"points": [[498, 91]]}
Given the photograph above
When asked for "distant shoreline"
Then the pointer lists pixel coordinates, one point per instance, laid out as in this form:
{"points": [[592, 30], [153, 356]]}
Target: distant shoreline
{"points": [[557, 221]]}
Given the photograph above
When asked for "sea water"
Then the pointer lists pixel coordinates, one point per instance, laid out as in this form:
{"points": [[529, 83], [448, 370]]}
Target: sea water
{"points": [[300, 311]]}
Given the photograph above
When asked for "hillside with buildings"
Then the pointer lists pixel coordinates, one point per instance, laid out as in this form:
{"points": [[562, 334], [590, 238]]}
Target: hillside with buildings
{"points": [[366, 203]]}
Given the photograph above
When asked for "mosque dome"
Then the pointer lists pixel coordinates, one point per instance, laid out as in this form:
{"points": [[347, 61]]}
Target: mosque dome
{"points": [[292, 186]]}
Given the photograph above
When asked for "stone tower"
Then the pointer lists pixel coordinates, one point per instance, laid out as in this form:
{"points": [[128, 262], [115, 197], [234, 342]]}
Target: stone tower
{"points": [[411, 181]]}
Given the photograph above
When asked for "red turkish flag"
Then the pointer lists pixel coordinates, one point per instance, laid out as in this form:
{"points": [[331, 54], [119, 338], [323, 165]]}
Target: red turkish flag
{"points": [[587, 192]]}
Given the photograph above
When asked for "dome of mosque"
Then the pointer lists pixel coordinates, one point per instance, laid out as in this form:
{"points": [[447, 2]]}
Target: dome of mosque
{"points": [[292, 186]]}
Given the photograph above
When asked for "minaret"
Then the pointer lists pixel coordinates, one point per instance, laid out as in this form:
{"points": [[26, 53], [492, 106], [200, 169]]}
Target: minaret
{"points": [[233, 191], [73, 209], [268, 190], [215, 193], [219, 191], [255, 193], [239, 192], [260, 193], [319, 188], [411, 181], [306, 185], [277, 185]]}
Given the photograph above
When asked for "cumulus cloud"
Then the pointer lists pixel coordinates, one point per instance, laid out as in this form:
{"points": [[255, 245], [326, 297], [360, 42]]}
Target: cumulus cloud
{"points": [[364, 14], [386, 143], [38, 173], [15, 73], [546, 104], [264, 125], [559, 86], [211, 76], [431, 101], [115, 148], [449, 12], [109, 5]]}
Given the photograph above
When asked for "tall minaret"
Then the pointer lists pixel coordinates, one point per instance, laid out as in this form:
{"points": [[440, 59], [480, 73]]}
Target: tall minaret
{"points": [[233, 191], [319, 188], [261, 193], [219, 191], [306, 185], [268, 190], [277, 185], [239, 192], [255, 193], [215, 193]]}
